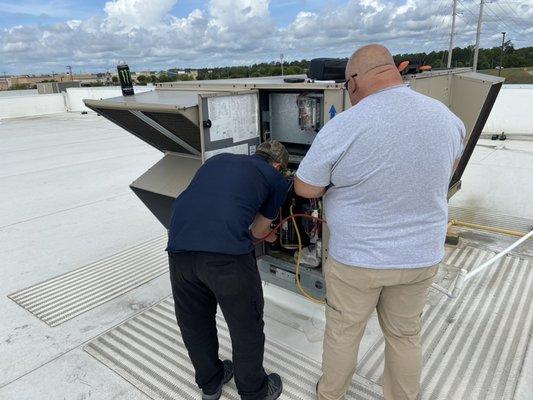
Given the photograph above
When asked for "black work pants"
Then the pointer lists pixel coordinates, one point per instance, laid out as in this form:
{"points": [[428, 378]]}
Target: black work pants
{"points": [[202, 280]]}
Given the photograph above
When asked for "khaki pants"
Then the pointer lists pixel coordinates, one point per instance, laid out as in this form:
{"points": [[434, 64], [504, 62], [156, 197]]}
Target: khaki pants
{"points": [[353, 293]]}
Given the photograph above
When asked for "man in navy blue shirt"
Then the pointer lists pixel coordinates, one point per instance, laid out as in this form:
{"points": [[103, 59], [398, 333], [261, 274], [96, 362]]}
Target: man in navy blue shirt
{"points": [[230, 202]]}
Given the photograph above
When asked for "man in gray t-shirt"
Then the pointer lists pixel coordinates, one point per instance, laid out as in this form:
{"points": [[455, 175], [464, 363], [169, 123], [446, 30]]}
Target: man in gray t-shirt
{"points": [[387, 164]]}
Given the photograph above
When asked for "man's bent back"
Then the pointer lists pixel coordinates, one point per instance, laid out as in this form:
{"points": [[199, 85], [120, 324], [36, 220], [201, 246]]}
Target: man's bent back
{"points": [[212, 263]]}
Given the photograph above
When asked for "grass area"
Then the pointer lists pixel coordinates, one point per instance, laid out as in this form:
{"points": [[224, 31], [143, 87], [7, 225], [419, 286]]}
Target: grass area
{"points": [[513, 75]]}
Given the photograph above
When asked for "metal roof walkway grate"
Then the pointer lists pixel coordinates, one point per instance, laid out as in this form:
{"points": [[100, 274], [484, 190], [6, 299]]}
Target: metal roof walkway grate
{"points": [[474, 346], [148, 352], [66, 296]]}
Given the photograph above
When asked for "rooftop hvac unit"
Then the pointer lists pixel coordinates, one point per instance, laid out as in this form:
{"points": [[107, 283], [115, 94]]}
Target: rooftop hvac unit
{"points": [[192, 121]]}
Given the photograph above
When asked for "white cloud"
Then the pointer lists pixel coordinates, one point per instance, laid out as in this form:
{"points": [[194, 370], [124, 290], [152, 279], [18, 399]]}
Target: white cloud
{"points": [[225, 32], [137, 13], [74, 23], [228, 13]]}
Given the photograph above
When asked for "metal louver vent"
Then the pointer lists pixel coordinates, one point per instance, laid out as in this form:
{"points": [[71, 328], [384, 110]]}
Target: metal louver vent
{"points": [[156, 133]]}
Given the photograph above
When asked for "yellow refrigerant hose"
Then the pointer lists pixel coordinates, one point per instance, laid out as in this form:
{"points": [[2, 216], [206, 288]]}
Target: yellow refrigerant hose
{"points": [[298, 262], [487, 228]]}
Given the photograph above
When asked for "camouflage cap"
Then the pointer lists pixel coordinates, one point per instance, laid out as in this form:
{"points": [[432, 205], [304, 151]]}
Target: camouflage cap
{"points": [[276, 151]]}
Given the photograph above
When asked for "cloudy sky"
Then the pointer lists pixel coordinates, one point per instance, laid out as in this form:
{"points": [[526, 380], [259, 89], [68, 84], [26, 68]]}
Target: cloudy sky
{"points": [[91, 35]]}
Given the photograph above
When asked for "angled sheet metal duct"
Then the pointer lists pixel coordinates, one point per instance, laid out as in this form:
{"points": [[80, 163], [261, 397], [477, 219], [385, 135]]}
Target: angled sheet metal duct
{"points": [[168, 121], [160, 185], [470, 96]]}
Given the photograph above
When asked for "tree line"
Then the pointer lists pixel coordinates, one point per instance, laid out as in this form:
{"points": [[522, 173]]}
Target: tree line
{"points": [[263, 69], [462, 57]]}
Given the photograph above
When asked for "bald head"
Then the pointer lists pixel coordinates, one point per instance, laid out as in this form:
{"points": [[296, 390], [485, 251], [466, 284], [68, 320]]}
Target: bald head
{"points": [[368, 58], [371, 68]]}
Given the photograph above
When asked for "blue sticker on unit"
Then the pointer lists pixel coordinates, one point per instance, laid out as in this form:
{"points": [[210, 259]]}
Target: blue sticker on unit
{"points": [[332, 112]]}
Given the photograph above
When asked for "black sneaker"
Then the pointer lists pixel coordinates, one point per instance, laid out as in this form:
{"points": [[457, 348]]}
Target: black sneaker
{"points": [[228, 374], [275, 387]]}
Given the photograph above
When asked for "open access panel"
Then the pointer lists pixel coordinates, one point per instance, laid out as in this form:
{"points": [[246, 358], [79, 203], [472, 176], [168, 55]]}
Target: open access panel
{"points": [[192, 121]]}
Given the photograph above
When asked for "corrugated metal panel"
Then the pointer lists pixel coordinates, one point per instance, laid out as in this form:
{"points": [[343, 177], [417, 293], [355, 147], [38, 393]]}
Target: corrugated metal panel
{"points": [[179, 125], [62, 298], [129, 121], [148, 352], [474, 346]]}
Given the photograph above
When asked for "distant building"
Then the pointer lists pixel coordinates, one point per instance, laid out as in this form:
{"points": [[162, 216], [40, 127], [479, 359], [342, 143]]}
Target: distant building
{"points": [[180, 73], [56, 87], [4, 83], [193, 73], [101, 78], [145, 73], [30, 80], [33, 80]]}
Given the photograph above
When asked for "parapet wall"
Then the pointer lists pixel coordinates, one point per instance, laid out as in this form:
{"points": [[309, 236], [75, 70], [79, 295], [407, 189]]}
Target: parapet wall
{"points": [[513, 111], [35, 104], [27, 105]]}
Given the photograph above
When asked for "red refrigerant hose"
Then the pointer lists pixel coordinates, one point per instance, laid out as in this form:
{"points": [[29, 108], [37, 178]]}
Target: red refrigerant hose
{"points": [[285, 220]]}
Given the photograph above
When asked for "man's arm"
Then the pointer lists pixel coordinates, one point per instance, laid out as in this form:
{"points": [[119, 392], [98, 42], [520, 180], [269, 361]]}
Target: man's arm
{"points": [[313, 176], [269, 210], [308, 191], [261, 227]]}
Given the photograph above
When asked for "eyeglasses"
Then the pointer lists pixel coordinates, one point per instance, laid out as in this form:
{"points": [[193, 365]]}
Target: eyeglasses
{"points": [[348, 81]]}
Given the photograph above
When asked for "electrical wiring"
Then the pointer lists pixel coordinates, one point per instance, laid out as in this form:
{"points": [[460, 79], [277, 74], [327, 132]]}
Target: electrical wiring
{"points": [[278, 225], [293, 217], [498, 18], [515, 18], [314, 229]]}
